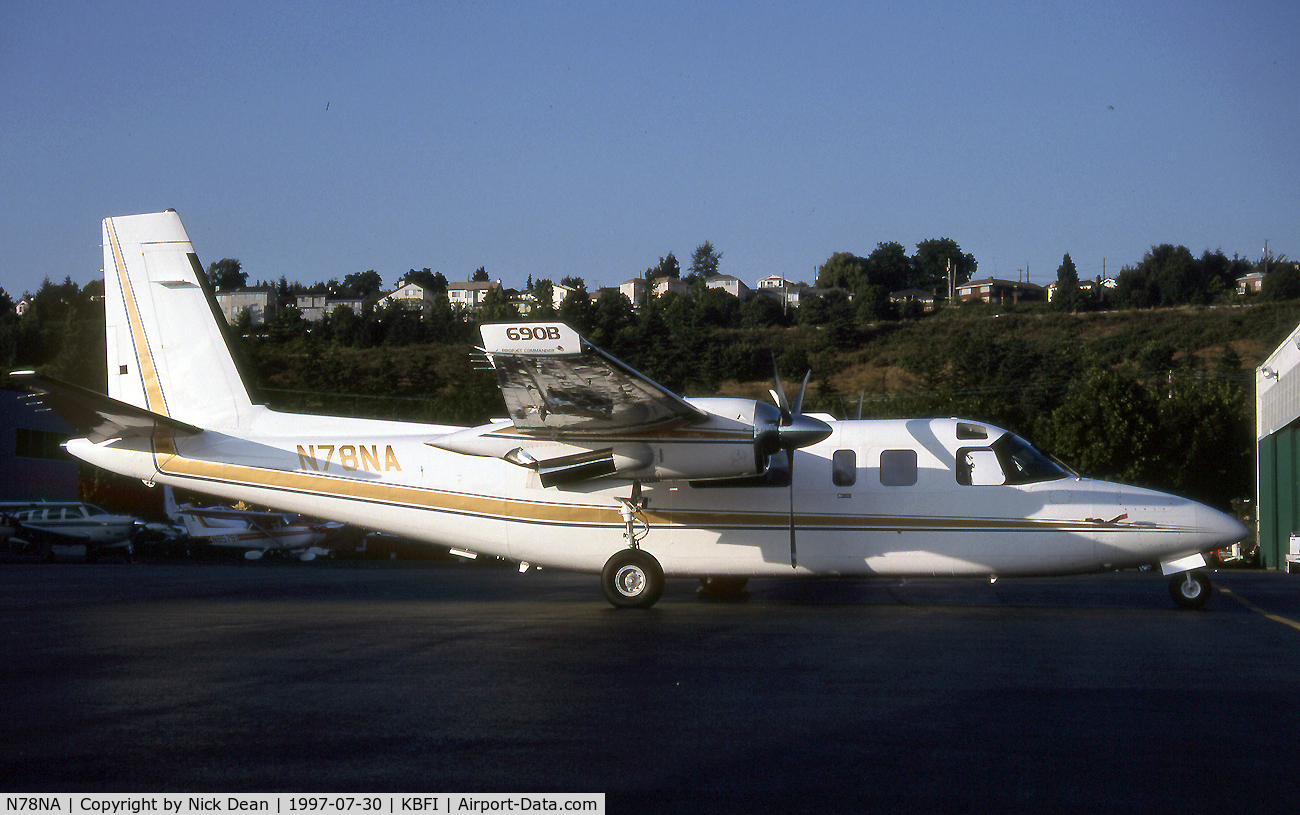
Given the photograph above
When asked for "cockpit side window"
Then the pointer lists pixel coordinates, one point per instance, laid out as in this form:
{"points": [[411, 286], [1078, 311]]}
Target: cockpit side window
{"points": [[979, 467], [1009, 460], [1023, 464]]}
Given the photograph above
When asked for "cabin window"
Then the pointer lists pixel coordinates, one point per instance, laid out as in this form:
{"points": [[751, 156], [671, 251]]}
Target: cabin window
{"points": [[897, 468], [844, 468]]}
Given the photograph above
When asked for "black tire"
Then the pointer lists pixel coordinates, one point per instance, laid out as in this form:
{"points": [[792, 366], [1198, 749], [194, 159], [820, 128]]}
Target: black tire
{"points": [[723, 588], [1190, 589], [632, 579]]}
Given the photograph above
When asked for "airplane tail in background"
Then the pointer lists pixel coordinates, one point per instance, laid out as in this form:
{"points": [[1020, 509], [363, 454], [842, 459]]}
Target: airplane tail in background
{"points": [[166, 348]]}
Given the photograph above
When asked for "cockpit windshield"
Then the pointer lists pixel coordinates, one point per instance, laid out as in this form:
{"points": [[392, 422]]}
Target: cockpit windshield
{"points": [[1022, 464]]}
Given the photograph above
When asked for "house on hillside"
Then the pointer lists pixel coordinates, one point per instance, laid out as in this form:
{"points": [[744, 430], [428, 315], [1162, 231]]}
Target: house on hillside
{"points": [[260, 303], [993, 290], [731, 285], [468, 297], [410, 295], [926, 298], [1252, 283]]}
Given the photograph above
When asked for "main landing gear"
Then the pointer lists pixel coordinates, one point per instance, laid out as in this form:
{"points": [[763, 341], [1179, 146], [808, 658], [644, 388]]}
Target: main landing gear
{"points": [[632, 578], [1190, 589]]}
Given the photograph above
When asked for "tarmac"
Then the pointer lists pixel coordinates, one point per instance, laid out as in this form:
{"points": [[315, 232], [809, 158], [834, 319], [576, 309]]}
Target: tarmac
{"points": [[1091, 693]]}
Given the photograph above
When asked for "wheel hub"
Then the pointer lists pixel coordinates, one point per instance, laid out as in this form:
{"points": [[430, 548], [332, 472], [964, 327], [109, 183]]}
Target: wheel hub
{"points": [[630, 581]]}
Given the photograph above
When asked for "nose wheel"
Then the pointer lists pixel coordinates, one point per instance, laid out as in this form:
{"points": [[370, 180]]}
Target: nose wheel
{"points": [[1190, 589]]}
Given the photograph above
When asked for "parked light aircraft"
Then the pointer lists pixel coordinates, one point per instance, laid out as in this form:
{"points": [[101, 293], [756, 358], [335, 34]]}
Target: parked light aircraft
{"points": [[68, 523], [259, 533], [600, 470]]}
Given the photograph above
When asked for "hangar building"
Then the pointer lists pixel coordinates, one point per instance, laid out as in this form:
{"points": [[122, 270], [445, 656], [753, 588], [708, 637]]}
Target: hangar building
{"points": [[1277, 444], [32, 464]]}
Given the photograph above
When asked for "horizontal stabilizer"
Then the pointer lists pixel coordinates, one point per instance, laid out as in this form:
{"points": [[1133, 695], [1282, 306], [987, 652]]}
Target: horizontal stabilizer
{"points": [[95, 415]]}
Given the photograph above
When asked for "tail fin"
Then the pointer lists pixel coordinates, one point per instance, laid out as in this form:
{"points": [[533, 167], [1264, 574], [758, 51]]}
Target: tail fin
{"points": [[167, 352], [169, 504]]}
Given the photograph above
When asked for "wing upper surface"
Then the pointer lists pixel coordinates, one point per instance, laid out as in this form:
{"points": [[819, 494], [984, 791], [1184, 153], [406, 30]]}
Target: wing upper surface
{"points": [[571, 387]]}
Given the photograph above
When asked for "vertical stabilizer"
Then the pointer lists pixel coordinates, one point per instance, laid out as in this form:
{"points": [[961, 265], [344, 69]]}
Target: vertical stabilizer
{"points": [[166, 351]]}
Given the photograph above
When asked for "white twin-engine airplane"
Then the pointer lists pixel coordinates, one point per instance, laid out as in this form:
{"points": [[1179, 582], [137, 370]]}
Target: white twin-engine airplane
{"points": [[600, 470]]}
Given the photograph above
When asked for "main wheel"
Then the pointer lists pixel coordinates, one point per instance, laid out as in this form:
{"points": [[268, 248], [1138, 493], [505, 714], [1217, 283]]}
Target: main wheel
{"points": [[1190, 589], [632, 579]]}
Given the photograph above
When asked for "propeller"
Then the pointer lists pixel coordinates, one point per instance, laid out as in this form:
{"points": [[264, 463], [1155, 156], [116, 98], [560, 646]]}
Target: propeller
{"points": [[792, 430]]}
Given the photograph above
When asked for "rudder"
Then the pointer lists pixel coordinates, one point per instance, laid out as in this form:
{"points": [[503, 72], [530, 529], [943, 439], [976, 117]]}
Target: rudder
{"points": [[166, 352]]}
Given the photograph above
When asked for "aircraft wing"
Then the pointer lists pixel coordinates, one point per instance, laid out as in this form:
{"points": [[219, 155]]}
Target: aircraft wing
{"points": [[553, 382], [98, 416], [43, 534], [230, 514]]}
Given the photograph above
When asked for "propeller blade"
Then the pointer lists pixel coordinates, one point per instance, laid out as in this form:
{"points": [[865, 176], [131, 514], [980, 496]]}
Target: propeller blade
{"points": [[778, 393], [798, 400]]}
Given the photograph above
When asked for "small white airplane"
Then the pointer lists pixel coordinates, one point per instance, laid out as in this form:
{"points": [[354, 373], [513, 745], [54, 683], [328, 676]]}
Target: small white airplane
{"points": [[600, 470], [259, 533], [67, 523]]}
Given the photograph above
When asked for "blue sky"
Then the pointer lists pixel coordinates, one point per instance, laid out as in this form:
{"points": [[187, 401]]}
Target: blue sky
{"points": [[552, 139]]}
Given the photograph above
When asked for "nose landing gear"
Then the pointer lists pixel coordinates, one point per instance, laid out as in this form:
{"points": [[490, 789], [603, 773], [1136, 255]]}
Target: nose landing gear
{"points": [[1190, 589]]}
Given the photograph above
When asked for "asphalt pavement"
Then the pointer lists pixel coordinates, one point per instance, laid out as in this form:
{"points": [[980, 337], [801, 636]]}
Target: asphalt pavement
{"points": [[1093, 693]]}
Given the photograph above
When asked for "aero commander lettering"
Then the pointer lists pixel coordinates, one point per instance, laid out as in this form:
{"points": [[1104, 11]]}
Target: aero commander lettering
{"points": [[525, 333], [350, 457]]}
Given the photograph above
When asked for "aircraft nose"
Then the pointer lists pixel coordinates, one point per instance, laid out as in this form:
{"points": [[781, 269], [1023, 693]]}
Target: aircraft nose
{"points": [[1220, 528]]}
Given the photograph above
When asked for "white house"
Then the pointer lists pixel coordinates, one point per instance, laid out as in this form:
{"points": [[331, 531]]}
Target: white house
{"points": [[731, 285], [663, 285], [410, 295], [468, 297]]}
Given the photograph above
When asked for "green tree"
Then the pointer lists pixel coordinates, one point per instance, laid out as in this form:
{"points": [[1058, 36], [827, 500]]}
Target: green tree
{"points": [[1282, 282], [1105, 427], [576, 308], [668, 267], [930, 264], [760, 311], [364, 284], [495, 308], [1167, 276], [1068, 297], [872, 303], [226, 275], [1206, 439], [704, 262], [889, 267], [843, 270], [544, 296], [480, 275]]}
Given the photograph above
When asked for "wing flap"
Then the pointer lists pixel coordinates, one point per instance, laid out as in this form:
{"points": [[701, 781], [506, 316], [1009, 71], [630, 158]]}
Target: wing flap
{"points": [[95, 415]]}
